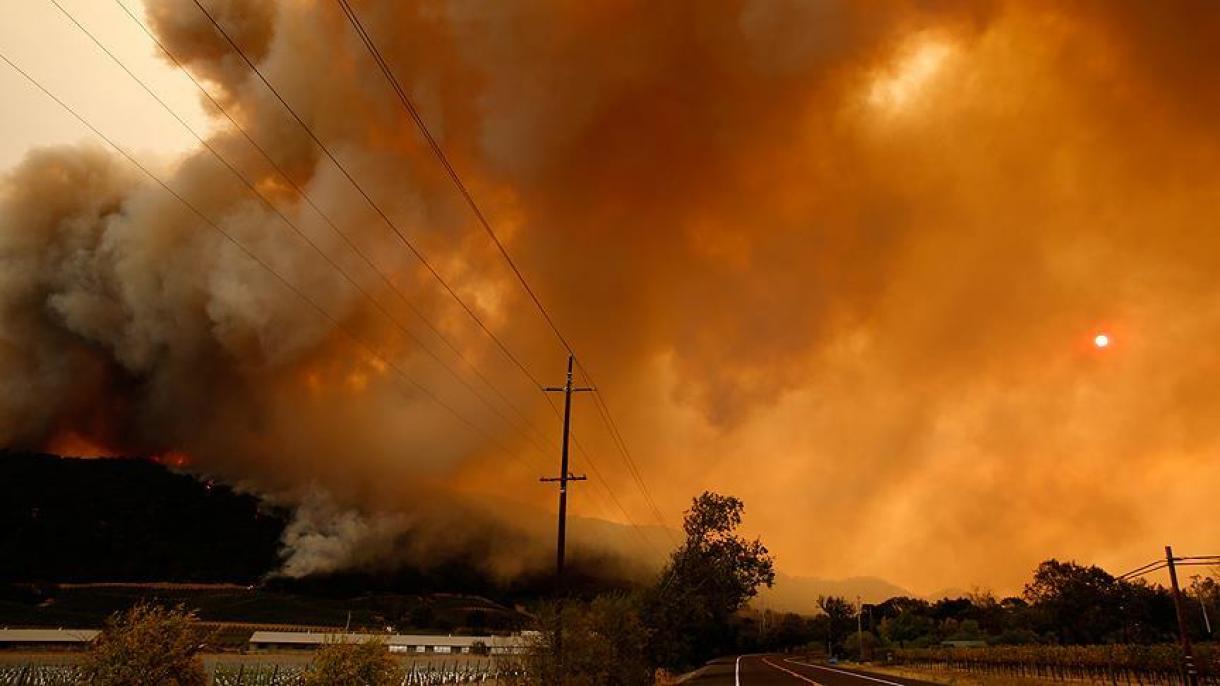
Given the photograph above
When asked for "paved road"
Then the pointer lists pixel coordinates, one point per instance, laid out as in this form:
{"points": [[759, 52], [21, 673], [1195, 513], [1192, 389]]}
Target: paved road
{"points": [[779, 670]]}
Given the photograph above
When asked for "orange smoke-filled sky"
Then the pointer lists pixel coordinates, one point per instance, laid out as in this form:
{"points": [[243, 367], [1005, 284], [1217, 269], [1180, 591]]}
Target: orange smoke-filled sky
{"points": [[846, 261]]}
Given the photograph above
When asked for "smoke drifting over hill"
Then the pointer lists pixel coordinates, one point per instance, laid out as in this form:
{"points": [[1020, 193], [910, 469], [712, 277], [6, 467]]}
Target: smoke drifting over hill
{"points": [[842, 262]]}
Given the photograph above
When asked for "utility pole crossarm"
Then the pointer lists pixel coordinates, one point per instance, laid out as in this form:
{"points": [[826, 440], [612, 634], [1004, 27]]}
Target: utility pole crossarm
{"points": [[571, 477]]}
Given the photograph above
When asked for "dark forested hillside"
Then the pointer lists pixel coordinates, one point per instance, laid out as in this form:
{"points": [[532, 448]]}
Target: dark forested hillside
{"points": [[65, 519]]}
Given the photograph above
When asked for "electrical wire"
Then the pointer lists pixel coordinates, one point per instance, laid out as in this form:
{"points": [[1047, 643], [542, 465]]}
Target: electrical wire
{"points": [[368, 199], [385, 278], [367, 347], [439, 152]]}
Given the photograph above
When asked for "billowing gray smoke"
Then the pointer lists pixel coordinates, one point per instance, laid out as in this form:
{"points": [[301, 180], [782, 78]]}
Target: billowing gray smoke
{"points": [[844, 263]]}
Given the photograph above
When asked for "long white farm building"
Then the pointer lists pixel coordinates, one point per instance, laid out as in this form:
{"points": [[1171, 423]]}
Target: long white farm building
{"points": [[397, 643]]}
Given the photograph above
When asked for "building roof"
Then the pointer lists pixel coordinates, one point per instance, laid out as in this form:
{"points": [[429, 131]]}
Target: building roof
{"points": [[47, 635], [314, 638]]}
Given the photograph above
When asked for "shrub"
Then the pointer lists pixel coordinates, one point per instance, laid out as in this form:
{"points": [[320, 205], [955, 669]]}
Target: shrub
{"points": [[147, 646], [605, 643], [367, 663]]}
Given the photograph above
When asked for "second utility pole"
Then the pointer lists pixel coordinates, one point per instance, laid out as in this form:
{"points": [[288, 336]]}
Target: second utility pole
{"points": [[1190, 676]]}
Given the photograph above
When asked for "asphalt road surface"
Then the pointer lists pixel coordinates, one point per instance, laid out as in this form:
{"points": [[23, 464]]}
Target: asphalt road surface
{"points": [[780, 670]]}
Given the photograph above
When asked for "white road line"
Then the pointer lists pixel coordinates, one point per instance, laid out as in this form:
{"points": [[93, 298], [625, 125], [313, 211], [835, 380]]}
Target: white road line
{"points": [[802, 677], [849, 673], [737, 670]]}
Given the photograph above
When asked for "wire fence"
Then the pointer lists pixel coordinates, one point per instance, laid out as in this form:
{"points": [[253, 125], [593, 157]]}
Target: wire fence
{"points": [[40, 675], [1134, 665], [415, 674]]}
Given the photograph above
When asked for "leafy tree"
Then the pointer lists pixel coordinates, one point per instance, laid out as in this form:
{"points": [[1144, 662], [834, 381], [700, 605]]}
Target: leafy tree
{"points": [[1205, 591], [771, 632], [605, 643], [900, 604], [840, 615], [956, 609], [1146, 613], [965, 630], [909, 627], [1077, 604], [988, 612], [862, 645], [789, 632], [708, 579], [147, 646], [367, 663]]}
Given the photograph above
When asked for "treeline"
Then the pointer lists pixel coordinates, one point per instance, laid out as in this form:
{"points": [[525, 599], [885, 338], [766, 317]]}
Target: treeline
{"points": [[1064, 604]]}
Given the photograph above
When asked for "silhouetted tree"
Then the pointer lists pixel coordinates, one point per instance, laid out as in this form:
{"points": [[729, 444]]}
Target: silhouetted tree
{"points": [[1076, 604], [910, 628], [708, 579], [899, 604], [840, 614], [1146, 613], [1206, 592]]}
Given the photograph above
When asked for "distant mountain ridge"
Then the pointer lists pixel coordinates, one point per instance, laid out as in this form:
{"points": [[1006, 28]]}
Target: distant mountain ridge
{"points": [[800, 593], [117, 519]]}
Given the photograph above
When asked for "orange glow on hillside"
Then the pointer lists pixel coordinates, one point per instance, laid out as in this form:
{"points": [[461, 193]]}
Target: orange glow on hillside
{"points": [[72, 444]]}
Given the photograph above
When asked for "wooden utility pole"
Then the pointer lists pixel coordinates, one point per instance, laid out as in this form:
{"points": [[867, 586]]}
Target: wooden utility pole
{"points": [[1190, 675], [859, 629], [564, 477]]}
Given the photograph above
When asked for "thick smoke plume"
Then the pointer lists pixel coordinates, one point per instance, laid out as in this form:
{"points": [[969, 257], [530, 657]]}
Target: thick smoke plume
{"points": [[844, 262]]}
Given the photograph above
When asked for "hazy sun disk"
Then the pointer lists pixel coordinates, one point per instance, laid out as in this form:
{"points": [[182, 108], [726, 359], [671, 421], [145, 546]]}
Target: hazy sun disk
{"points": [[910, 74], [1101, 340]]}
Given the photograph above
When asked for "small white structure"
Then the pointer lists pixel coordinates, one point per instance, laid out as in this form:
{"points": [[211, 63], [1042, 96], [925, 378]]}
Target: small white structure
{"points": [[397, 643]]}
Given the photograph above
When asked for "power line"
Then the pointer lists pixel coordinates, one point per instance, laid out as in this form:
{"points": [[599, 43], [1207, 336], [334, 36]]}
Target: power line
{"points": [[604, 411], [288, 222], [373, 204], [413, 113], [385, 218], [444, 160], [381, 213], [338, 326], [601, 480], [1143, 569], [346, 239]]}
